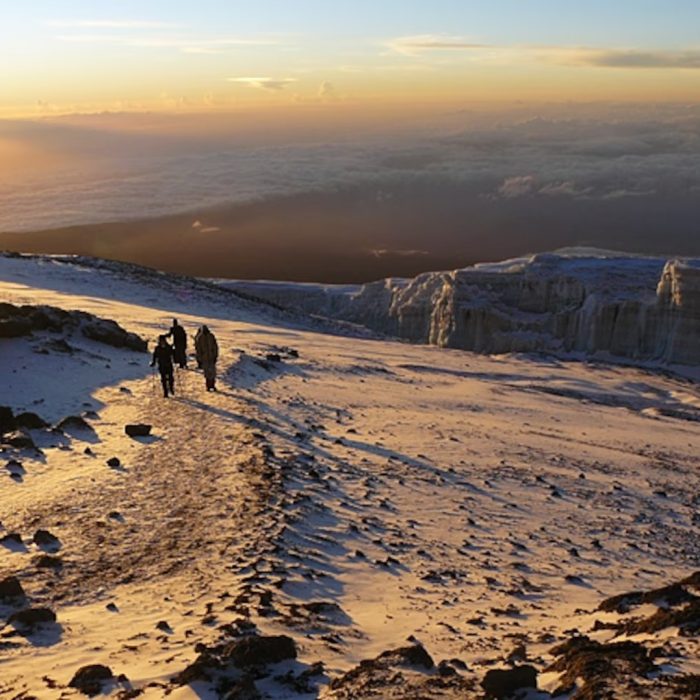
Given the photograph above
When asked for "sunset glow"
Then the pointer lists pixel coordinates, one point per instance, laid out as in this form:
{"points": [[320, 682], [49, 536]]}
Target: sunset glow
{"points": [[83, 56]]}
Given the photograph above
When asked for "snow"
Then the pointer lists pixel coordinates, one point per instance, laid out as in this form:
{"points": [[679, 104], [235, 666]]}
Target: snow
{"points": [[580, 300], [427, 492]]}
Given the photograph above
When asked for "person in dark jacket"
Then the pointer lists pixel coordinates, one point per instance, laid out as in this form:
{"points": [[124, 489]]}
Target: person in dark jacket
{"points": [[163, 357], [179, 343]]}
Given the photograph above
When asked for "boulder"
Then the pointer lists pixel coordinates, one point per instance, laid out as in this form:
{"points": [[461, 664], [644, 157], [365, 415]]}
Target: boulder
{"points": [[506, 683], [71, 424], [30, 618], [258, 651], [137, 430], [89, 679], [15, 327], [30, 421], [7, 420], [11, 590], [43, 538], [20, 439], [113, 462], [243, 690]]}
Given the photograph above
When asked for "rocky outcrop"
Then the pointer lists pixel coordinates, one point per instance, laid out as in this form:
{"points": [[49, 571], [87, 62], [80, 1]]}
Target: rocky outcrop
{"points": [[17, 321], [632, 307]]}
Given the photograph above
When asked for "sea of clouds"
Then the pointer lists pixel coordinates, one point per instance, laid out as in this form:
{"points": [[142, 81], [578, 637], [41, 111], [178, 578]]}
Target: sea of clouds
{"points": [[562, 157]]}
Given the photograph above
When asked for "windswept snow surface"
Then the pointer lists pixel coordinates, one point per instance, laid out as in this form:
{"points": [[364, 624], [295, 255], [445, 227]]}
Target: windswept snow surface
{"points": [[472, 503]]}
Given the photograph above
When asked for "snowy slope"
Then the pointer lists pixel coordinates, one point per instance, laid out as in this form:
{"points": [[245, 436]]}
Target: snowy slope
{"points": [[572, 301], [353, 494]]}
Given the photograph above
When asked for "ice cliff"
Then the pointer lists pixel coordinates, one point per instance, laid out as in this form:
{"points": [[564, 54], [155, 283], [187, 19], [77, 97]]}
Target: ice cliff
{"points": [[594, 302]]}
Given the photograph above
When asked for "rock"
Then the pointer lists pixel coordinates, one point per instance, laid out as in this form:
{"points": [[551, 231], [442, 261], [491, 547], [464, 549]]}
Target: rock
{"points": [[20, 439], [46, 561], [14, 466], [7, 420], [15, 327], [30, 420], [113, 462], [163, 626], [12, 539], [71, 424], [43, 538], [89, 679], [137, 430], [414, 655], [505, 683], [258, 651], [111, 333], [11, 590], [243, 690], [30, 618]]}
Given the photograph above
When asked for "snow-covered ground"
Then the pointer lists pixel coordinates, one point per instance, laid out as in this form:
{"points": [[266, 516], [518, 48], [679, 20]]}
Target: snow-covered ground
{"points": [[354, 494]]}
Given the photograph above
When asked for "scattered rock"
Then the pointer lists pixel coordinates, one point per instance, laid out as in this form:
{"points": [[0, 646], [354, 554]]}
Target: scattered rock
{"points": [[505, 683], [605, 670], [255, 650], [46, 561], [71, 424], [20, 439], [7, 420], [11, 590], [30, 618], [43, 538], [30, 421], [11, 540], [137, 430], [243, 690], [90, 679]]}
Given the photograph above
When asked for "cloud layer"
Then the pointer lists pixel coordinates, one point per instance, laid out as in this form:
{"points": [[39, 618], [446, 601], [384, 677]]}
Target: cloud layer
{"points": [[569, 177]]}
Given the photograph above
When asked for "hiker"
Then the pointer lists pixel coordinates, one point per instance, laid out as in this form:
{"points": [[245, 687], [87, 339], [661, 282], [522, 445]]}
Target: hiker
{"points": [[207, 351], [179, 343], [163, 355]]}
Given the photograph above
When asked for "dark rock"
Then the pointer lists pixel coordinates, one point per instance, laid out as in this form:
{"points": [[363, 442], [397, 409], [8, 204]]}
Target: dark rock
{"points": [[71, 424], [113, 462], [30, 420], [505, 683], [15, 467], [256, 651], [243, 690], [43, 538], [46, 561], [15, 327], [111, 333], [29, 618], [414, 655], [163, 626], [273, 357], [11, 589], [137, 430], [12, 539], [7, 420], [20, 439], [89, 679], [605, 670]]}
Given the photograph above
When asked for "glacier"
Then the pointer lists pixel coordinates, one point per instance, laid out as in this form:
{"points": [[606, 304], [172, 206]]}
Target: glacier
{"points": [[570, 301]]}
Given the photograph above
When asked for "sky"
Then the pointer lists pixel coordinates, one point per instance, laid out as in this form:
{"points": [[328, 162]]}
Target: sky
{"points": [[434, 133], [60, 57]]}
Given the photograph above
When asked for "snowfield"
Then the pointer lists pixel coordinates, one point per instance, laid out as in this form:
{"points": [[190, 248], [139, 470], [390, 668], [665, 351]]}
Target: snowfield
{"points": [[354, 494]]}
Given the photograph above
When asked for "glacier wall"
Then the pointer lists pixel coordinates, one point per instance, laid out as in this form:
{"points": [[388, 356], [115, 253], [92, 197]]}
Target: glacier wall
{"points": [[632, 307]]}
